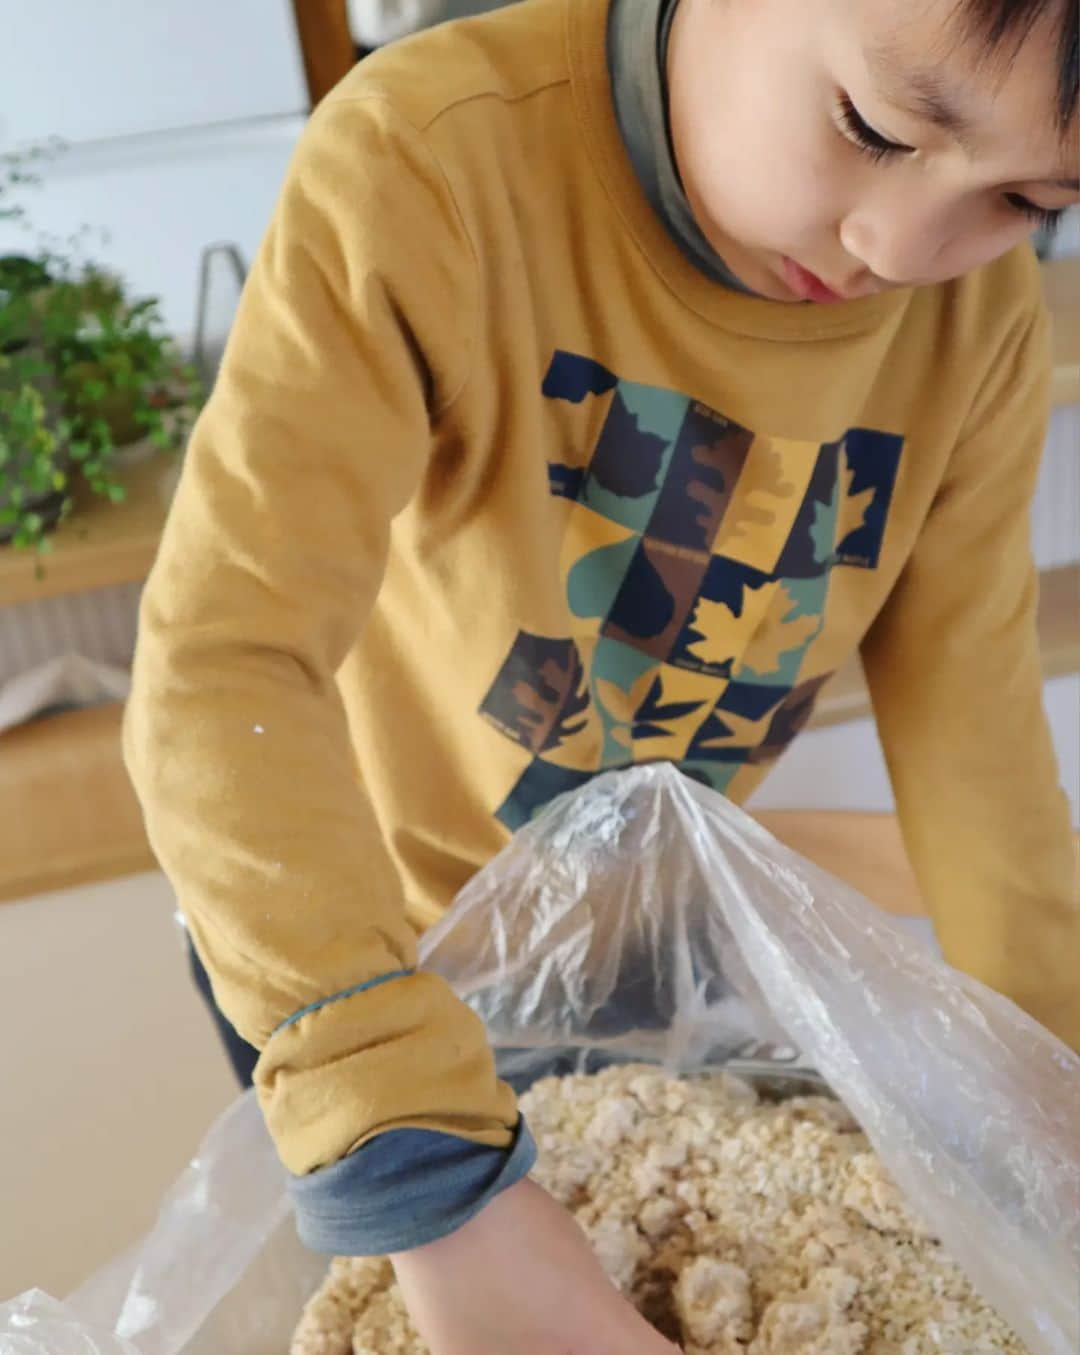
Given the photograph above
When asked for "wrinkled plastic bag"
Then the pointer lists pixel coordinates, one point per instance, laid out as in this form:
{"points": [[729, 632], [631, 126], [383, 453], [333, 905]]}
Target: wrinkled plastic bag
{"points": [[646, 917], [223, 1248]]}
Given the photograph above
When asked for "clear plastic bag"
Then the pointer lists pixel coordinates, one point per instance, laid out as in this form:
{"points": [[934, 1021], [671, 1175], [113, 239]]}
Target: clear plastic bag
{"points": [[645, 917], [221, 1272]]}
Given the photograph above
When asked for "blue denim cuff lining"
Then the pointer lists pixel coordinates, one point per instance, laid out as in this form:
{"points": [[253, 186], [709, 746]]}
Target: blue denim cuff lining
{"points": [[404, 1189]]}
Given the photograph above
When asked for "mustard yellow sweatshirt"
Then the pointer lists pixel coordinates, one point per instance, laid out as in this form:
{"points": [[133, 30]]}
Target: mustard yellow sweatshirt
{"points": [[496, 491]]}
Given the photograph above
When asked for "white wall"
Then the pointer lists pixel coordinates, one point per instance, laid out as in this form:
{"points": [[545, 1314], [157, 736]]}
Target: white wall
{"points": [[1067, 240], [124, 67], [1056, 511], [162, 198], [1055, 514], [180, 120]]}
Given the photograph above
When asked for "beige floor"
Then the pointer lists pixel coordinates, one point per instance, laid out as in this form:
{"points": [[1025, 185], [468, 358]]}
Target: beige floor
{"points": [[111, 1071]]}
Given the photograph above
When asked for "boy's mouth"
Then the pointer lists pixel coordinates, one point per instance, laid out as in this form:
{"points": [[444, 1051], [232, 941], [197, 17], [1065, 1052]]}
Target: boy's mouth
{"points": [[808, 286]]}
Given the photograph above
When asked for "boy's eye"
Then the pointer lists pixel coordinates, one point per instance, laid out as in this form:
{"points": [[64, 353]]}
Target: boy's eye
{"points": [[859, 131], [1048, 218]]}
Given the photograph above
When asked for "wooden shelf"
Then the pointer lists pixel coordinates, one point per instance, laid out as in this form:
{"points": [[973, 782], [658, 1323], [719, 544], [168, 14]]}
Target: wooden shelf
{"points": [[100, 544], [846, 697], [68, 814], [1061, 278]]}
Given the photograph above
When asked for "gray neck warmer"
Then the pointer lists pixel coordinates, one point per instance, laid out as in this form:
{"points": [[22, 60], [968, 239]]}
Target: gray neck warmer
{"points": [[637, 44]]}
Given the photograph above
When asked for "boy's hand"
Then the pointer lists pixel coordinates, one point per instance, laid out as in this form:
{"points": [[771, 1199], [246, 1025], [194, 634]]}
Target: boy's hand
{"points": [[520, 1279]]}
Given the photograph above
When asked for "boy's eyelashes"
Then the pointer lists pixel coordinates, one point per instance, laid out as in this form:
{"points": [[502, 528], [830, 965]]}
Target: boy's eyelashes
{"points": [[1048, 218], [879, 148], [859, 131]]}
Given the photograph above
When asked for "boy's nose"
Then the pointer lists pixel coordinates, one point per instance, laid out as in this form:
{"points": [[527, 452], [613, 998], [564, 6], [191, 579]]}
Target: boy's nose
{"points": [[894, 253]]}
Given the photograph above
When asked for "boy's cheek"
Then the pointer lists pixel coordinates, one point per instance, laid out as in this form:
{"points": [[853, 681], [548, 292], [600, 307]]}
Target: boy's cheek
{"points": [[763, 181], [768, 200]]}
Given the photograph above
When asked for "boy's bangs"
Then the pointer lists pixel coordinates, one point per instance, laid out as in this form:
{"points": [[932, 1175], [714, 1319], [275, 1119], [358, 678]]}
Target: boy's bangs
{"points": [[1003, 25]]}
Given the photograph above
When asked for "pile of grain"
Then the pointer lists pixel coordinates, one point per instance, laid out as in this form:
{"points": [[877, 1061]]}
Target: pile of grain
{"points": [[737, 1226]]}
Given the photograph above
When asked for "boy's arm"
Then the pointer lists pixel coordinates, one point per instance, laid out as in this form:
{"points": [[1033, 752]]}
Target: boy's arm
{"points": [[954, 672], [353, 336]]}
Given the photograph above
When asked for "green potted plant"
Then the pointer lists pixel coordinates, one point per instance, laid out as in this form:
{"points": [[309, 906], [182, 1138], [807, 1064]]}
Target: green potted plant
{"points": [[33, 454], [90, 380]]}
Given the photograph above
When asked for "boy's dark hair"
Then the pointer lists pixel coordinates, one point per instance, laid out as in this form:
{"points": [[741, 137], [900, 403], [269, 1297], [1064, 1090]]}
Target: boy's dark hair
{"points": [[1001, 22]]}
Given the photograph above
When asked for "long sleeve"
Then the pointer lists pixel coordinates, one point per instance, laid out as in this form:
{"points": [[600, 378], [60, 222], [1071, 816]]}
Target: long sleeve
{"points": [[352, 340], [954, 672]]}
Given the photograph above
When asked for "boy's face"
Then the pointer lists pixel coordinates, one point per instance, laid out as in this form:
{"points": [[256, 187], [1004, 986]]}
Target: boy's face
{"points": [[769, 99]]}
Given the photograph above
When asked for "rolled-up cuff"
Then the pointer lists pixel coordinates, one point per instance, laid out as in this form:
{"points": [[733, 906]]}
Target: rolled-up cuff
{"points": [[404, 1189]]}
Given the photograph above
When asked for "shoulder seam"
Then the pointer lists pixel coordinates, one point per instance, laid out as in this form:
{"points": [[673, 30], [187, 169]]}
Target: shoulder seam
{"points": [[442, 112], [376, 97]]}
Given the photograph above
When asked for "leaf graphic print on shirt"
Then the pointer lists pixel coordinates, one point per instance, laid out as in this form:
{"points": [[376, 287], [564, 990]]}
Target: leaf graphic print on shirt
{"points": [[696, 562]]}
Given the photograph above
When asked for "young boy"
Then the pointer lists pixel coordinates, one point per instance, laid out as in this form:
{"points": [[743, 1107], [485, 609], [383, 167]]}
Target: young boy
{"points": [[611, 372]]}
